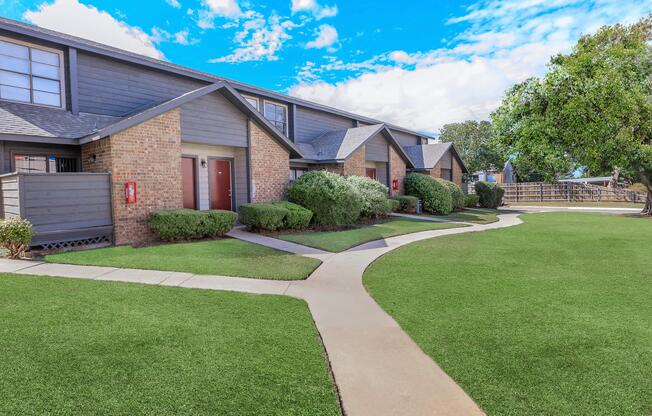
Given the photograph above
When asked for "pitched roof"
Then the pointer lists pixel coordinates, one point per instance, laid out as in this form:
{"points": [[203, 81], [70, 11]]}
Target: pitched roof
{"points": [[116, 53], [426, 156]]}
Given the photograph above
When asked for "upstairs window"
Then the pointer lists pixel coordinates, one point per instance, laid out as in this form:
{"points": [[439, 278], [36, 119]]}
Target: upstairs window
{"points": [[253, 101], [30, 75], [277, 114]]}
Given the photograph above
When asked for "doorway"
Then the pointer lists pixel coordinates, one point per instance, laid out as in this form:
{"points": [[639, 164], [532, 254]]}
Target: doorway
{"points": [[220, 183], [189, 182]]}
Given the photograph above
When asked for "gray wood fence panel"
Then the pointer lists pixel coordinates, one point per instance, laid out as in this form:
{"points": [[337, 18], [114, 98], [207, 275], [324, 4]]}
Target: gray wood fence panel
{"points": [[107, 86], [10, 196], [312, 123], [377, 149], [566, 192], [212, 119]]}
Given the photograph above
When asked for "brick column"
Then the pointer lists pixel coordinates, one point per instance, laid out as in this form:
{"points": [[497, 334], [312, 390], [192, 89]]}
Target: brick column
{"points": [[269, 165], [457, 173], [397, 171], [355, 164], [150, 155]]}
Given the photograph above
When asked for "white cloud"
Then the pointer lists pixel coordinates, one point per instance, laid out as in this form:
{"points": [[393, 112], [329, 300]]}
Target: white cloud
{"points": [[259, 40], [224, 8], [312, 6], [174, 3], [506, 41], [181, 37], [326, 36], [75, 18]]}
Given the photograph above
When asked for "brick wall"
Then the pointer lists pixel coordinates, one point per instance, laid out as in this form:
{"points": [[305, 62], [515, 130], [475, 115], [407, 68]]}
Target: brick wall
{"points": [[270, 166], [150, 155], [355, 165], [333, 168], [457, 172], [436, 171], [397, 171]]}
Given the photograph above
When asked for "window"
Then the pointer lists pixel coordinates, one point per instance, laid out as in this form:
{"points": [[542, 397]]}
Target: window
{"points": [[447, 174], [277, 114], [371, 173], [296, 173], [44, 164], [30, 75], [252, 100]]}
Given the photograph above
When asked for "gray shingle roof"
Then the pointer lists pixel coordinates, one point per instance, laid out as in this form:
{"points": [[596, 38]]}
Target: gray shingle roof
{"points": [[32, 120], [426, 156], [338, 144]]}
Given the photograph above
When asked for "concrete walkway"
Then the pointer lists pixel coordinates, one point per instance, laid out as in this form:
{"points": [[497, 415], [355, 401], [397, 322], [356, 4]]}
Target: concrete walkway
{"points": [[242, 234], [379, 370]]}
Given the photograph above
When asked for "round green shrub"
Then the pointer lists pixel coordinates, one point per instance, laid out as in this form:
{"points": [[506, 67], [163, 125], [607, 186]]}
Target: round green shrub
{"points": [[15, 236], [471, 201], [457, 196], [406, 203], [374, 196], [436, 197], [332, 199], [491, 195], [262, 216], [393, 205], [296, 217]]}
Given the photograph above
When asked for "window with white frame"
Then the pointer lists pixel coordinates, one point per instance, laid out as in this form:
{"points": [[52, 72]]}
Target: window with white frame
{"points": [[252, 100], [30, 75], [277, 114]]}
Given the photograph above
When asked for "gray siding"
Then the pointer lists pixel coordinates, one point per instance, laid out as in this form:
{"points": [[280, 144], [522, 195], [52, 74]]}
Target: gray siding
{"points": [[212, 119], [312, 123], [10, 196], [10, 149], [406, 139], [106, 86], [382, 174], [377, 149], [241, 179]]}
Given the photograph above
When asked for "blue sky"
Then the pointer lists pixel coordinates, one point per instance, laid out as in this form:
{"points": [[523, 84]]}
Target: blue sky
{"points": [[420, 64]]}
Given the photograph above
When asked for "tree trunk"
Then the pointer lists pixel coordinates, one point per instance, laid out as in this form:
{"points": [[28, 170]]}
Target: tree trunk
{"points": [[645, 178], [613, 183]]}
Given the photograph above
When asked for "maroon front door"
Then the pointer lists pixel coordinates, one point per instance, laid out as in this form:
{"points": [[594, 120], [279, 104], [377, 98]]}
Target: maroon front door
{"points": [[371, 173], [188, 182], [219, 172]]}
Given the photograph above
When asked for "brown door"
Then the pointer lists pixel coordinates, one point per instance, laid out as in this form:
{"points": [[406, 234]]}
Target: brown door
{"points": [[371, 173], [188, 182], [219, 172]]}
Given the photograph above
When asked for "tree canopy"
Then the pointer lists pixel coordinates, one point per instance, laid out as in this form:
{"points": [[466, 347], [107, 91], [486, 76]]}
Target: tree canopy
{"points": [[474, 142], [592, 109]]}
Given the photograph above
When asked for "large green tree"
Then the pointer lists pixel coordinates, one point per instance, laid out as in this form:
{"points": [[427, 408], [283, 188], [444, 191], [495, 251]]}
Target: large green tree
{"points": [[592, 109], [474, 141]]}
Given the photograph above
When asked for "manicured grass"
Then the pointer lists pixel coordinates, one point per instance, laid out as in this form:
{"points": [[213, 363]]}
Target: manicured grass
{"points": [[337, 241], [551, 317], [476, 216], [228, 257], [73, 347], [580, 204]]}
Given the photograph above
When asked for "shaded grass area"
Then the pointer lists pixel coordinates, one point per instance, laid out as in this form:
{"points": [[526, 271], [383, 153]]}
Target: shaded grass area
{"points": [[476, 216], [337, 241], [551, 317], [227, 257], [86, 347], [580, 204]]}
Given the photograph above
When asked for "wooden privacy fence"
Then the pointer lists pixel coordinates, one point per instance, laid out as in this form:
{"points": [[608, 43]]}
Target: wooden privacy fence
{"points": [[65, 209], [566, 192]]}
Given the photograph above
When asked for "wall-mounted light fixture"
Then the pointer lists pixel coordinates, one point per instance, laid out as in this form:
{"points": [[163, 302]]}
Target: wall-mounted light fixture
{"points": [[203, 163], [92, 158]]}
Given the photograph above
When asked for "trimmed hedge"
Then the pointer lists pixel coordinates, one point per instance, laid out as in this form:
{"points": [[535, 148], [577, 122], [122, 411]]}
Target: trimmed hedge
{"points": [[406, 203], [273, 216], [491, 195], [374, 196], [188, 224], [332, 199], [296, 217], [436, 197], [471, 201], [457, 196], [15, 236], [392, 205]]}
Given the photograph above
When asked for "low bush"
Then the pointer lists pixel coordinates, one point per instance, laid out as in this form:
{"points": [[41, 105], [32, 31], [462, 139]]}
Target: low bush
{"points": [[490, 194], [374, 196], [471, 201], [436, 197], [392, 205], [15, 236], [262, 216], [188, 224], [332, 199], [457, 196], [296, 217], [406, 203]]}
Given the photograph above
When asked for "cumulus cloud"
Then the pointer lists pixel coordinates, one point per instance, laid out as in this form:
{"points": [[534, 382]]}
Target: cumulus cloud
{"points": [[75, 18], [504, 42], [326, 37], [313, 7], [174, 3]]}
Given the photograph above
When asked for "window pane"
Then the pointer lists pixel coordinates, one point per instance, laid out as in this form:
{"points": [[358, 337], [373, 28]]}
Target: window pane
{"points": [[269, 111], [14, 64], [43, 70], [45, 57], [253, 102], [13, 79], [30, 164], [66, 164], [11, 49], [46, 98], [13, 93], [46, 85]]}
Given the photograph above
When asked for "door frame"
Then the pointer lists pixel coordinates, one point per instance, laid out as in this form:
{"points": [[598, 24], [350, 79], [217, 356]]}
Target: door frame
{"points": [[231, 161], [197, 199]]}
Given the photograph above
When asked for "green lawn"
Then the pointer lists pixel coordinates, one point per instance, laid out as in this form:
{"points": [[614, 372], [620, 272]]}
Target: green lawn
{"points": [[476, 216], [73, 347], [552, 317], [337, 241], [228, 257], [579, 204]]}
